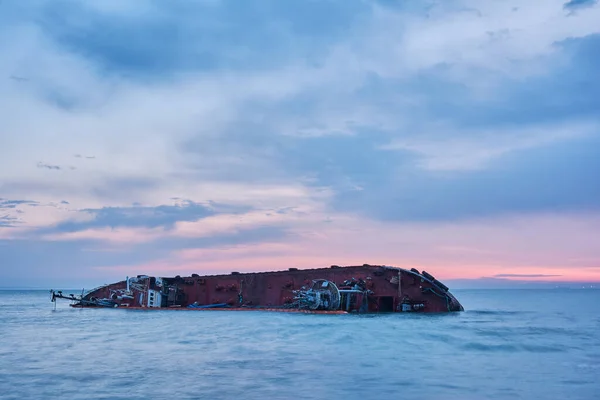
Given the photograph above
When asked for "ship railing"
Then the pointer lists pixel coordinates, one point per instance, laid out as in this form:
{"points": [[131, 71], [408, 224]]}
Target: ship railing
{"points": [[85, 293]]}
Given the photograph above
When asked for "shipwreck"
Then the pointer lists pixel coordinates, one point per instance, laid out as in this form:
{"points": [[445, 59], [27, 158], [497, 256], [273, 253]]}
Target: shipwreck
{"points": [[335, 289]]}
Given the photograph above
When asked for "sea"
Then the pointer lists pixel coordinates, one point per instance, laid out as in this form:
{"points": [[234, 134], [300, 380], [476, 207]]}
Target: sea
{"points": [[507, 344]]}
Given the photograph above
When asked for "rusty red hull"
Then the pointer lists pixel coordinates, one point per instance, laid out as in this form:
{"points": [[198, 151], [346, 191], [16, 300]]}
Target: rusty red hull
{"points": [[363, 289]]}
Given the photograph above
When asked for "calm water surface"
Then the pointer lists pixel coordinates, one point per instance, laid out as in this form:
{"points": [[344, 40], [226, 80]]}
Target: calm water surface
{"points": [[509, 344]]}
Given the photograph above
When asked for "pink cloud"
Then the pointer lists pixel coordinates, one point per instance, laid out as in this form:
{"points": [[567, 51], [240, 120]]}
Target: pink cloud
{"points": [[513, 247]]}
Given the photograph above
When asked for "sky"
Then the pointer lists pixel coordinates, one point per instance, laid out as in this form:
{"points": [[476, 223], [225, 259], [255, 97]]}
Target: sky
{"points": [[202, 136]]}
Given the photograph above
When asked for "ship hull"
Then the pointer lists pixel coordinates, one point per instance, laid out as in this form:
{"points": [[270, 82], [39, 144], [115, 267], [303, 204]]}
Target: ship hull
{"points": [[361, 289]]}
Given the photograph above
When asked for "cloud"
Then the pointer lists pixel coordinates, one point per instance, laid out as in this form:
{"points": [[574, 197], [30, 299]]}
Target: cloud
{"points": [[86, 260], [10, 211], [48, 166], [4, 203], [145, 225], [102, 223], [322, 114], [524, 275], [530, 181], [450, 251], [577, 4], [456, 151], [7, 221], [164, 215]]}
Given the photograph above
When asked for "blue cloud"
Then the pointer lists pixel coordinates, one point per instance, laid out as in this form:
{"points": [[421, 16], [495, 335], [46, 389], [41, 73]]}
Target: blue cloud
{"points": [[140, 216], [575, 4], [193, 36], [18, 254], [38, 262], [5, 203], [7, 221], [555, 178], [551, 177], [339, 161], [568, 91], [149, 217]]}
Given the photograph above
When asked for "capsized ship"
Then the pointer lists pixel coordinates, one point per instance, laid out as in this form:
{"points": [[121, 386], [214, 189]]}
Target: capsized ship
{"points": [[361, 289]]}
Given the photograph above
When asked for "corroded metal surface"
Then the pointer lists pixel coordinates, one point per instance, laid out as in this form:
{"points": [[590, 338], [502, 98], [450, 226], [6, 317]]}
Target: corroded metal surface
{"points": [[366, 288]]}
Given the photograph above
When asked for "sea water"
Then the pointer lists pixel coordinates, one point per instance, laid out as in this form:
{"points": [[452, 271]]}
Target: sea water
{"points": [[508, 344]]}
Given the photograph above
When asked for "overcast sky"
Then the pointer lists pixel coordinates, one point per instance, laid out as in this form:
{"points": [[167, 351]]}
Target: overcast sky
{"points": [[178, 137]]}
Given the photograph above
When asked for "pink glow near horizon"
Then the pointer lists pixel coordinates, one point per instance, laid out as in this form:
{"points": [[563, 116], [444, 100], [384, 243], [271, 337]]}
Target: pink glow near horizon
{"points": [[449, 251], [282, 262], [540, 247]]}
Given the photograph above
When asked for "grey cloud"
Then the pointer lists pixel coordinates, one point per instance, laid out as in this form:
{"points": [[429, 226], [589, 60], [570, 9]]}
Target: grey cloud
{"points": [[5, 203], [18, 78], [7, 221], [48, 166], [139, 216]]}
